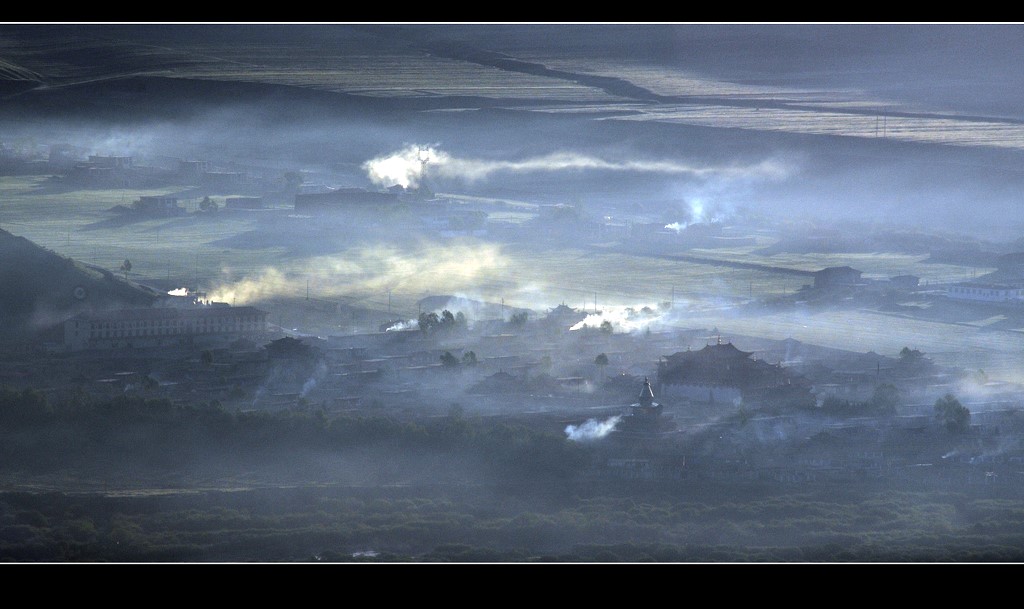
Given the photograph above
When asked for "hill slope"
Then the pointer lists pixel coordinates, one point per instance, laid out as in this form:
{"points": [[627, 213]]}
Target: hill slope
{"points": [[41, 288]]}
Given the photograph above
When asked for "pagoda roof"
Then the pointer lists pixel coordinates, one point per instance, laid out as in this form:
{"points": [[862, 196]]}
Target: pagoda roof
{"points": [[719, 351]]}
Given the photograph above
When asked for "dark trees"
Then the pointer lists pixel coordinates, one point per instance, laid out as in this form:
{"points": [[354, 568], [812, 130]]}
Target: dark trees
{"points": [[952, 414]]}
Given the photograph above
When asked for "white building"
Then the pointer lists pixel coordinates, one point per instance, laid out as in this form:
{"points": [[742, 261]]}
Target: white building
{"points": [[161, 327], [985, 292]]}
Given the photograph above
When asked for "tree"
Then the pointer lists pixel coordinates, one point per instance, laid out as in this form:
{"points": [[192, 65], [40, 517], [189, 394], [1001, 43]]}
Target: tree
{"points": [[428, 321], [913, 362], [601, 361], [908, 354], [469, 358], [545, 364], [208, 204], [885, 399], [149, 383], [448, 360], [518, 319], [606, 327], [126, 267], [447, 320], [952, 414]]}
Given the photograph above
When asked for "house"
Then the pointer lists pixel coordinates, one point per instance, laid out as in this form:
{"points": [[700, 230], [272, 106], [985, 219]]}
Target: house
{"points": [[343, 200], [223, 179], [836, 277], [243, 203], [110, 162], [905, 282], [193, 169], [159, 205]]}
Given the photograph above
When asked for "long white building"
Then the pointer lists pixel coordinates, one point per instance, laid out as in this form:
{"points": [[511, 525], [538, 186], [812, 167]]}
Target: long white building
{"points": [[161, 327], [985, 292]]}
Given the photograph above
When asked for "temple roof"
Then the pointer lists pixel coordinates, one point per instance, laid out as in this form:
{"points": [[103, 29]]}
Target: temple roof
{"points": [[720, 351]]}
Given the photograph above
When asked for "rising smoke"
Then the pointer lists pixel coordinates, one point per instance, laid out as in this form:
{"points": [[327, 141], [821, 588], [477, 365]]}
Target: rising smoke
{"points": [[699, 212], [592, 429], [410, 165], [628, 319], [423, 267]]}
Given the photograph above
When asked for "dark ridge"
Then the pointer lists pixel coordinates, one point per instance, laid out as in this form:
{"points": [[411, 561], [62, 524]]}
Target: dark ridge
{"points": [[42, 288]]}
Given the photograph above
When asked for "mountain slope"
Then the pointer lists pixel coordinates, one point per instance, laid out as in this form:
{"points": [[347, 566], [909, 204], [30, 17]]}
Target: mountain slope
{"points": [[40, 288]]}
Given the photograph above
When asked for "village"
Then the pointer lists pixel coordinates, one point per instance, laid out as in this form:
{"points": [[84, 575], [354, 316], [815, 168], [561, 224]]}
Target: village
{"points": [[728, 405]]}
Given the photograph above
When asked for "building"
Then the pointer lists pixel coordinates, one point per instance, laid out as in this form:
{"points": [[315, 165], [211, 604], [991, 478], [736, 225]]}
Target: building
{"points": [[645, 416], [985, 292], [836, 277], [159, 205], [564, 317], [161, 327], [723, 373], [243, 203], [343, 200], [110, 162], [193, 169], [905, 282], [64, 154], [223, 179], [103, 170]]}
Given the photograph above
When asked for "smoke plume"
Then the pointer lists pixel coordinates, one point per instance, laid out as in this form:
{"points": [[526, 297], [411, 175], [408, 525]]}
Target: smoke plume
{"points": [[592, 429], [625, 319], [371, 270], [412, 324], [699, 212], [409, 166]]}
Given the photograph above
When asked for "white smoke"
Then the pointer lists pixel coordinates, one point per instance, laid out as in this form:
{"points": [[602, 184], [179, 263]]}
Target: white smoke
{"points": [[178, 292], [311, 382], [404, 168], [413, 268], [408, 167], [412, 324], [699, 213], [592, 429], [624, 319]]}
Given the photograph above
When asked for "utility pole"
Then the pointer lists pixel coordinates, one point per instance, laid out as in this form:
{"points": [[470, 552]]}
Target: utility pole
{"points": [[389, 301], [503, 309]]}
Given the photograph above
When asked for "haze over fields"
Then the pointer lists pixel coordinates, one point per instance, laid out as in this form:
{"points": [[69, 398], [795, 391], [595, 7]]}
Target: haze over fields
{"points": [[840, 202]]}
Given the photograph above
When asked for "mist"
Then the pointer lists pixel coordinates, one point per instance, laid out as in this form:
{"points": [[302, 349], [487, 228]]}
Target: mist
{"points": [[509, 293]]}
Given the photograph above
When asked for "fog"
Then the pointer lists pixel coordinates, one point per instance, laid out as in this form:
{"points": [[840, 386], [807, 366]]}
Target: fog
{"points": [[396, 292]]}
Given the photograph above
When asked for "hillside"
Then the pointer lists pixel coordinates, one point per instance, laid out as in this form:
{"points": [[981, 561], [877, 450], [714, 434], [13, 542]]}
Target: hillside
{"points": [[42, 288]]}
